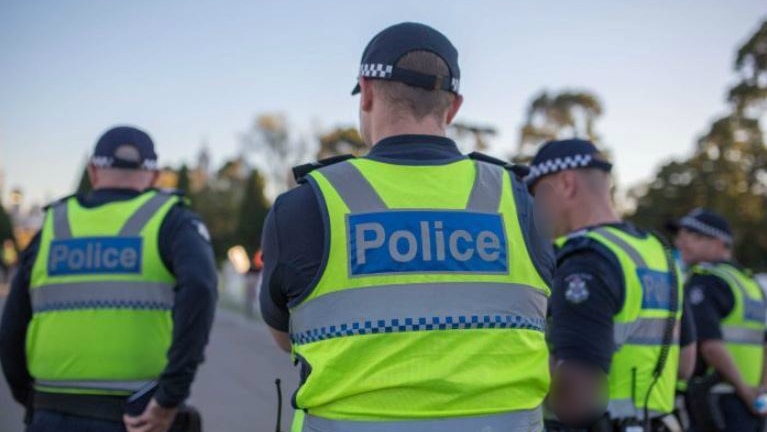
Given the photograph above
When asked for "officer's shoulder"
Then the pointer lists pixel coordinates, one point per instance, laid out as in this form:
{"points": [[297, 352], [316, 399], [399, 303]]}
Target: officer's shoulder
{"points": [[58, 201], [519, 171], [579, 243], [301, 171]]}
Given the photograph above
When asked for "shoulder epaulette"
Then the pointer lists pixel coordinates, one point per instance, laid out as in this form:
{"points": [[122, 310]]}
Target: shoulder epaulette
{"points": [[172, 191], [520, 171], [58, 201], [301, 171]]}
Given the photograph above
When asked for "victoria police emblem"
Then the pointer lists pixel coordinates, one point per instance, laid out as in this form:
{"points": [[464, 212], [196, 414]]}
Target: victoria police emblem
{"points": [[577, 289]]}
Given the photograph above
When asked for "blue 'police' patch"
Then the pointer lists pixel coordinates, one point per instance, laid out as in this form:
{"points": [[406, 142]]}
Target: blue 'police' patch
{"points": [[753, 310], [417, 241], [95, 255], [656, 289]]}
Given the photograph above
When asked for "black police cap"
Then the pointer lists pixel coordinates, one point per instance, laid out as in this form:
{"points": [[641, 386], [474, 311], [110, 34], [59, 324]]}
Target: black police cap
{"points": [[106, 154], [705, 222], [380, 57], [562, 155]]}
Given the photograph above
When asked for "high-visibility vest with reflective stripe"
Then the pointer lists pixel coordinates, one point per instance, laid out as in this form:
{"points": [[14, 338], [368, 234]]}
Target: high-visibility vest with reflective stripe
{"points": [[640, 325], [101, 297], [743, 329], [428, 306]]}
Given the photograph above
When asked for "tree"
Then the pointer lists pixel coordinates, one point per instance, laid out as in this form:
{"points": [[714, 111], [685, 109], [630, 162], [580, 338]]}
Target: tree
{"points": [[183, 179], [728, 169], [253, 210], [276, 151], [728, 174], [219, 201], [84, 186], [6, 226], [568, 114], [478, 134], [339, 141], [751, 65]]}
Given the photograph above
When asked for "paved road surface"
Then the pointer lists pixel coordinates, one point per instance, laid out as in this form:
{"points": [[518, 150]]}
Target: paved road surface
{"points": [[235, 387]]}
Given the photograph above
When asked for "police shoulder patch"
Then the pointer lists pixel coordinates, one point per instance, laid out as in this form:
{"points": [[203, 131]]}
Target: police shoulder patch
{"points": [[696, 295], [576, 287], [202, 230]]}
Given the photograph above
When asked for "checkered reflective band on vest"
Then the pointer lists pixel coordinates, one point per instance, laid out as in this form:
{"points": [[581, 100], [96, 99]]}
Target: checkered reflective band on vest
{"points": [[429, 313], [743, 329], [640, 325], [101, 297]]}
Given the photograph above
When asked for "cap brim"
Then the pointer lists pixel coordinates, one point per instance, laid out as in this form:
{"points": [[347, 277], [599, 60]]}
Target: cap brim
{"points": [[356, 89]]}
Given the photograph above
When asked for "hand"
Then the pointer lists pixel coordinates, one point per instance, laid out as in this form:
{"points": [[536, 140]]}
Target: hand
{"points": [[154, 419], [749, 395]]}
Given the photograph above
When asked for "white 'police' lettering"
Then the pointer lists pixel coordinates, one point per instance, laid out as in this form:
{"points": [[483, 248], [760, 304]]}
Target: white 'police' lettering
{"points": [[95, 255], [404, 246]]}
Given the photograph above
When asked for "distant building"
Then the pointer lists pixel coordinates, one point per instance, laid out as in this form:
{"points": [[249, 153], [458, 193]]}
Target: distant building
{"points": [[199, 176], [25, 222]]}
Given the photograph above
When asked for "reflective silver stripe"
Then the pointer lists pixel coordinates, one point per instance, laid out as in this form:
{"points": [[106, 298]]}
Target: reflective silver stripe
{"points": [[723, 388], [393, 308], [113, 294], [625, 409], [517, 421], [623, 245], [486, 192], [130, 386], [355, 190], [643, 331], [741, 335], [138, 220], [61, 228]]}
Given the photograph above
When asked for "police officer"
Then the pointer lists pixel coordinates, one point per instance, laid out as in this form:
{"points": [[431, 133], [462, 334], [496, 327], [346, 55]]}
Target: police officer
{"points": [[116, 291], [729, 311], [410, 284], [615, 305]]}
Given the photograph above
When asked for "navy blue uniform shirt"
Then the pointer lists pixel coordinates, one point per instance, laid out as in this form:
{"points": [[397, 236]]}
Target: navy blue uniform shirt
{"points": [[588, 292], [294, 234], [186, 252]]}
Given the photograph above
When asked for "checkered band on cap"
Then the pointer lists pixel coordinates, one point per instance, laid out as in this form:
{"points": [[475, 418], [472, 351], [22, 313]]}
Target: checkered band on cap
{"points": [[108, 162], [555, 165], [455, 85], [696, 225], [376, 70]]}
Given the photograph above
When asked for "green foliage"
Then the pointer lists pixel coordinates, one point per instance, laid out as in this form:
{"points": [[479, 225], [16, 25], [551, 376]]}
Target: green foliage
{"points": [[84, 185], [183, 179], [253, 210], [568, 114], [6, 226], [472, 137], [728, 174], [339, 141], [727, 171], [233, 207]]}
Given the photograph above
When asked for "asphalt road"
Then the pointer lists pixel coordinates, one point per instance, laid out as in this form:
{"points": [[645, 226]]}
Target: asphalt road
{"points": [[234, 389]]}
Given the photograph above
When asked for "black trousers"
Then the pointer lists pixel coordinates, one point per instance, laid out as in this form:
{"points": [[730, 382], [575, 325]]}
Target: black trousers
{"points": [[736, 415], [50, 421]]}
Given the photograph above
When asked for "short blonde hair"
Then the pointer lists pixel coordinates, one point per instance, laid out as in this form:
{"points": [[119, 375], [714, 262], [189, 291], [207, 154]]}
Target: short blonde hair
{"points": [[416, 101]]}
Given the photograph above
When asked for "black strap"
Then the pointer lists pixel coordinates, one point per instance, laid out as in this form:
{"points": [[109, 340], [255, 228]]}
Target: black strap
{"points": [[668, 332], [520, 171], [301, 171]]}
